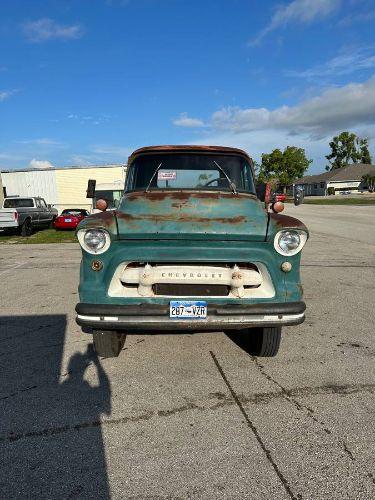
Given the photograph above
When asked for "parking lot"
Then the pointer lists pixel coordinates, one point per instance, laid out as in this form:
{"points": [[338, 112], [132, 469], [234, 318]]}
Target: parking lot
{"points": [[192, 416]]}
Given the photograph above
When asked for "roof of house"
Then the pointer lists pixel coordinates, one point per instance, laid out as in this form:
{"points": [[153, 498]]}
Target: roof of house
{"points": [[353, 172], [187, 149]]}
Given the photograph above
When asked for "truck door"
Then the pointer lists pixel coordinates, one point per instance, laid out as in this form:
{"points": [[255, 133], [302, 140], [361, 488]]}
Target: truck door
{"points": [[44, 215], [36, 213]]}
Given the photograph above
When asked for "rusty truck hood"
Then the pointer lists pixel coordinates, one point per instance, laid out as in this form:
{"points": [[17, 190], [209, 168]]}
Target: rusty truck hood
{"points": [[191, 215]]}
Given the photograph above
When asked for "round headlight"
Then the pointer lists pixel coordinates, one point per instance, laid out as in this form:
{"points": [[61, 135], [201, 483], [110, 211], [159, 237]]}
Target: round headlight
{"points": [[94, 241], [289, 242]]}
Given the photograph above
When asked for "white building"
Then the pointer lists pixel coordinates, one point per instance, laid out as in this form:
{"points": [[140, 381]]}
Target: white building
{"points": [[63, 187], [348, 178]]}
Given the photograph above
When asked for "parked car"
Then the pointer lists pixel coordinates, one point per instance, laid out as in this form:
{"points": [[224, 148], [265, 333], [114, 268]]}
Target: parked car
{"points": [[26, 214], [280, 197], [190, 247], [70, 218]]}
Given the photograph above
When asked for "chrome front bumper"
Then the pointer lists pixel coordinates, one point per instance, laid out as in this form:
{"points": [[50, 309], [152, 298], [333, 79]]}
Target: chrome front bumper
{"points": [[219, 317]]}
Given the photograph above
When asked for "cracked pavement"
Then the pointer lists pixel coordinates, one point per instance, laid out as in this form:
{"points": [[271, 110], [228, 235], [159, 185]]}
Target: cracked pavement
{"points": [[192, 416]]}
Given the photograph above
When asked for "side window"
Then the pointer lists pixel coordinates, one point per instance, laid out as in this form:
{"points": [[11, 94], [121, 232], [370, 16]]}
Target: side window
{"points": [[43, 204], [37, 203], [246, 176]]}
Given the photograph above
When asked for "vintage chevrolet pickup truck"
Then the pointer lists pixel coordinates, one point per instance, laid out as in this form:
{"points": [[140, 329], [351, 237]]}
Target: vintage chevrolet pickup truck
{"points": [[190, 247]]}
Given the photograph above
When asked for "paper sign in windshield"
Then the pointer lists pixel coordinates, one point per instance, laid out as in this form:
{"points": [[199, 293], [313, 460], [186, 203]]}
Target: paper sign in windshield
{"points": [[167, 176]]}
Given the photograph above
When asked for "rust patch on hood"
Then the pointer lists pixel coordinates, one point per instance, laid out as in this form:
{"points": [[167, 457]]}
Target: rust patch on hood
{"points": [[102, 219], [107, 216], [181, 218]]}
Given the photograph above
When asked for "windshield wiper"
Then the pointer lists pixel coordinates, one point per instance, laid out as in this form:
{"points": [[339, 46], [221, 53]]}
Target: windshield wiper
{"points": [[152, 177], [231, 184]]}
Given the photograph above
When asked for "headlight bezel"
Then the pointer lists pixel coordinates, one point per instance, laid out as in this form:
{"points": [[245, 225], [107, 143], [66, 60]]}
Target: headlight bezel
{"points": [[303, 238], [81, 238]]}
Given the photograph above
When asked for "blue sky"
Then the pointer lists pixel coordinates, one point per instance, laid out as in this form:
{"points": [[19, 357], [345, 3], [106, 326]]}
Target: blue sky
{"points": [[88, 81]]}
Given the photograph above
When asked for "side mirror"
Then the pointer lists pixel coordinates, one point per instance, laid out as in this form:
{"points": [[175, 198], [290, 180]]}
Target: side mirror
{"points": [[101, 205], [263, 191], [91, 185], [298, 195]]}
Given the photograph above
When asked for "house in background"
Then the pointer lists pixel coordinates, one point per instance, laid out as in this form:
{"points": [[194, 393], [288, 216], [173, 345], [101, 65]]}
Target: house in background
{"points": [[62, 187], [348, 179]]}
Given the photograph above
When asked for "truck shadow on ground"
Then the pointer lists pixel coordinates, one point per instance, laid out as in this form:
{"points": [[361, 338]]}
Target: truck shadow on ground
{"points": [[241, 339], [51, 440]]}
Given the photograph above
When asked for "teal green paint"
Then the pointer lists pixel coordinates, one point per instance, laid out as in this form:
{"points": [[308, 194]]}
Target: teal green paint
{"points": [[189, 228], [94, 285], [191, 216]]}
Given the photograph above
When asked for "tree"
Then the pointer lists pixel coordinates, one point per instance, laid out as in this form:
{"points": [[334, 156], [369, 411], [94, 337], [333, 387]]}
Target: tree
{"points": [[364, 152], [283, 166], [347, 148], [370, 181]]}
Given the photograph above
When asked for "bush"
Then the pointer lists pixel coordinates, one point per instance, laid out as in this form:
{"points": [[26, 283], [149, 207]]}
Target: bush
{"points": [[330, 191]]}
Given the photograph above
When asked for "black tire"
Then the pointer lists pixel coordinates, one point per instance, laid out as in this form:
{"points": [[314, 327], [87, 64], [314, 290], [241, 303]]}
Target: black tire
{"points": [[26, 228], [263, 342], [108, 343]]}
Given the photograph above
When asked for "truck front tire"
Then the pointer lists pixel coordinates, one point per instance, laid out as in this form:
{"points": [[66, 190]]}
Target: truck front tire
{"points": [[263, 342], [108, 343]]}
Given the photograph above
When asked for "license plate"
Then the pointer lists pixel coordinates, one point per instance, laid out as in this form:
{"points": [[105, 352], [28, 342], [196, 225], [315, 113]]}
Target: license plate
{"points": [[68, 220], [193, 309]]}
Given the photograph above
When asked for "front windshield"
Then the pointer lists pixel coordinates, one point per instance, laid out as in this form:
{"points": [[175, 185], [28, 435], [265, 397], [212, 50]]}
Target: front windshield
{"points": [[190, 171]]}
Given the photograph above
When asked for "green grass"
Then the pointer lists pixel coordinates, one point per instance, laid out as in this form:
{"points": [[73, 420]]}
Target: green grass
{"points": [[340, 201], [43, 236]]}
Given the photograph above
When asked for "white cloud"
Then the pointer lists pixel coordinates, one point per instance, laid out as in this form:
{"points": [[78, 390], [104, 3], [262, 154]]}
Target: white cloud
{"points": [[334, 109], [298, 11], [44, 141], [309, 124], [40, 164], [185, 121], [264, 141], [46, 29], [5, 94], [344, 64]]}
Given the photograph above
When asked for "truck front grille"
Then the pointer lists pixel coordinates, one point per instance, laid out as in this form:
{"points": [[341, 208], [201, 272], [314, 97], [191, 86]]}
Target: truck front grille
{"points": [[186, 290], [179, 279]]}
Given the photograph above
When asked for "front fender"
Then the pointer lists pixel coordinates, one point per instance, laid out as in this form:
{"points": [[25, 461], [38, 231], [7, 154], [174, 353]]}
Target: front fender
{"points": [[103, 220], [277, 222]]}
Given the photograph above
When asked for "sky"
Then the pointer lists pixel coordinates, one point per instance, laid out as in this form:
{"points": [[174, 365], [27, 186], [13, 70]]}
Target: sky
{"points": [[88, 81]]}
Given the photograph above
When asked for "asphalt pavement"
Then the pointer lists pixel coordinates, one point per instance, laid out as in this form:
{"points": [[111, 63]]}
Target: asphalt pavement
{"points": [[192, 416]]}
